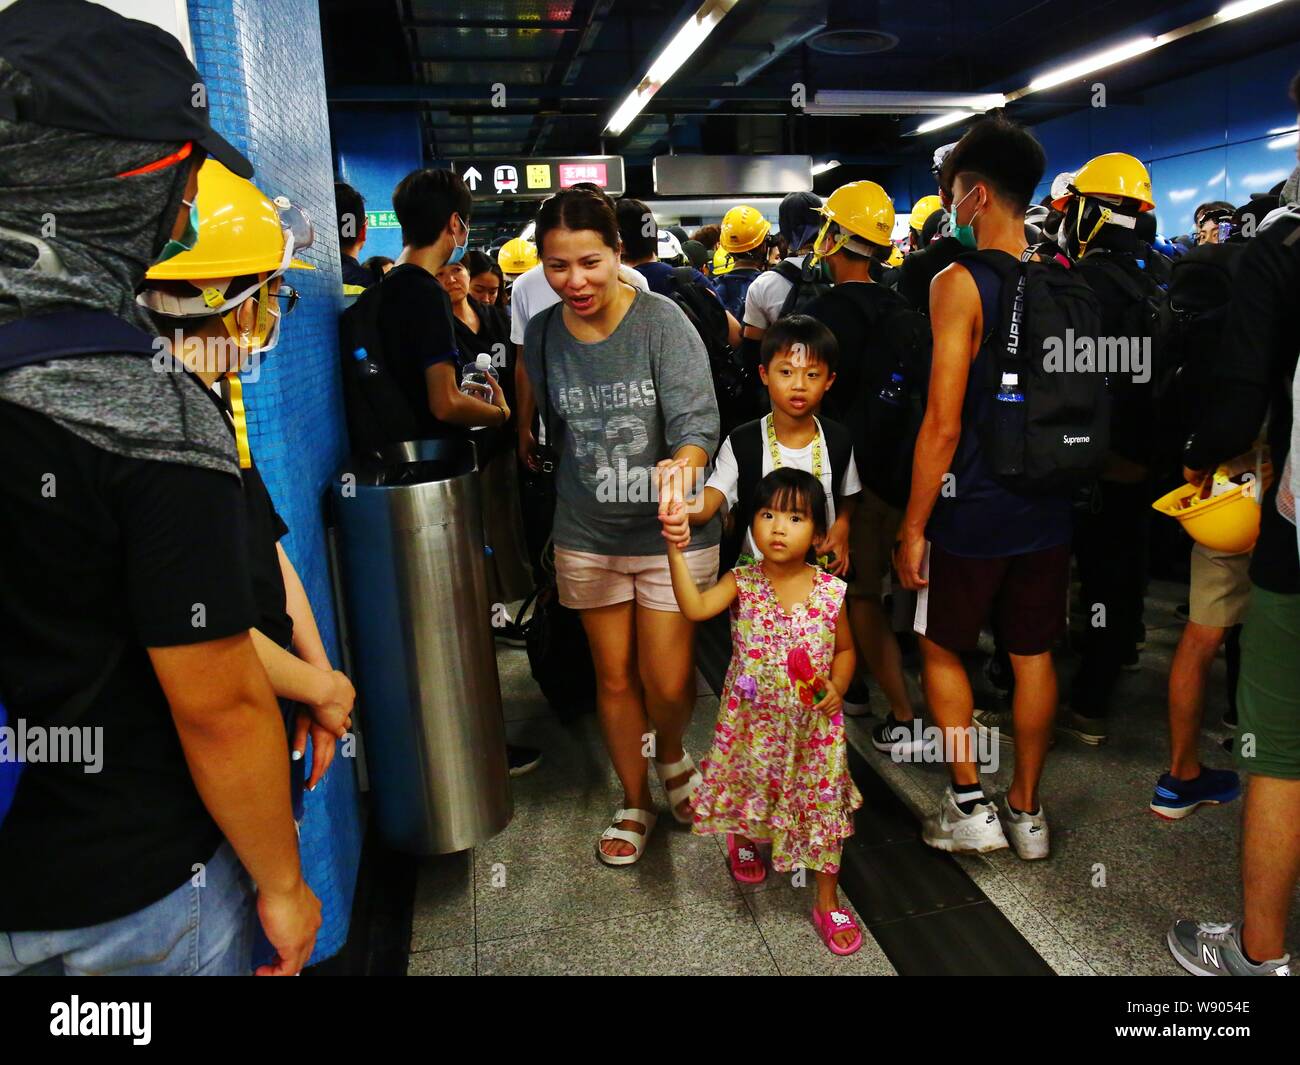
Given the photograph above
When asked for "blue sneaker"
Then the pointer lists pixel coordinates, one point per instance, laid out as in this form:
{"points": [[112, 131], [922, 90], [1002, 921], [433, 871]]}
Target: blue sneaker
{"points": [[1175, 799]]}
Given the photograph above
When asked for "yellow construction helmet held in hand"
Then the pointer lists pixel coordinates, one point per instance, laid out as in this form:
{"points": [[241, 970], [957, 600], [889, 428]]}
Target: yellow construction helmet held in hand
{"points": [[516, 256], [722, 261], [743, 229], [922, 210], [861, 210], [1228, 519], [895, 256]]}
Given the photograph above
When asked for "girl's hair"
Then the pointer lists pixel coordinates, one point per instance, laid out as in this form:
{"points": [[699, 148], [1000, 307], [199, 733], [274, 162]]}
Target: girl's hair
{"points": [[476, 262], [577, 209], [794, 490]]}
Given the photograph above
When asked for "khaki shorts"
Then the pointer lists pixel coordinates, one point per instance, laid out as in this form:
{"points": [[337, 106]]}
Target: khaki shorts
{"points": [[872, 533], [586, 580], [1220, 588]]}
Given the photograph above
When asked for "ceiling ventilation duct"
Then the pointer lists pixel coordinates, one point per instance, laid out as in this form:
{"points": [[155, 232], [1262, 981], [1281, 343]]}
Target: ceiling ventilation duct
{"points": [[849, 30]]}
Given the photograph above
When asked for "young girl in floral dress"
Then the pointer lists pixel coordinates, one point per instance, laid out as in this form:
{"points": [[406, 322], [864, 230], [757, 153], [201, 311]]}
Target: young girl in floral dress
{"points": [[778, 770]]}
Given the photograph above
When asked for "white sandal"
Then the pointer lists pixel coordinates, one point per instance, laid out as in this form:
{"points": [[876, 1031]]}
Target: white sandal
{"points": [[637, 839], [664, 772]]}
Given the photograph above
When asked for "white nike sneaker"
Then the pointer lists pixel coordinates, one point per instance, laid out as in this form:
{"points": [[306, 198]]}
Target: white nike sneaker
{"points": [[976, 832], [1027, 832]]}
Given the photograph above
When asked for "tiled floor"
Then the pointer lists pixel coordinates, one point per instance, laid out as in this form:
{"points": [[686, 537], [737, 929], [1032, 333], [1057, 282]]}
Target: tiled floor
{"points": [[535, 900]]}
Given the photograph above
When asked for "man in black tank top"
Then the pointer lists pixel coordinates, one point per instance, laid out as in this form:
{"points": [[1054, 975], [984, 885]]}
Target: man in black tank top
{"points": [[977, 552]]}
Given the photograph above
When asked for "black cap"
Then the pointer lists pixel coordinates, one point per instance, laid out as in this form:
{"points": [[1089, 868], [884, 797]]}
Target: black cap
{"points": [[95, 71]]}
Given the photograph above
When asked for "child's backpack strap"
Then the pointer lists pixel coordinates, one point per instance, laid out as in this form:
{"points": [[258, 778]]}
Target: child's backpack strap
{"points": [[747, 447], [66, 334]]}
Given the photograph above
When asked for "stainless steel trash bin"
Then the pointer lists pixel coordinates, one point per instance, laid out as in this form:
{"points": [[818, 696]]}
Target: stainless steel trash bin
{"points": [[411, 555]]}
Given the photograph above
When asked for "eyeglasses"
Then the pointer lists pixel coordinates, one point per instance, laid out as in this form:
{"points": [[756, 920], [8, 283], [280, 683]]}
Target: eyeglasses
{"points": [[292, 295]]}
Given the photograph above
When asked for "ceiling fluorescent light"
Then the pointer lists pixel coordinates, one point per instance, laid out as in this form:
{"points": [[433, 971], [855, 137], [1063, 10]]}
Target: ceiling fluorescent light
{"points": [[1100, 60], [669, 61], [888, 102], [944, 120], [821, 168], [1243, 7]]}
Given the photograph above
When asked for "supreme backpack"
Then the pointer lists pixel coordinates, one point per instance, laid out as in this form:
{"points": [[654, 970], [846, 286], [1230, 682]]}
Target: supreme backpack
{"points": [[708, 317], [1053, 429], [44, 338]]}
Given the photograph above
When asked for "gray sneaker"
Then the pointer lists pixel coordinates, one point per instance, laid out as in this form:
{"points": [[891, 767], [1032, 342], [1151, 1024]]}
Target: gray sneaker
{"points": [[1091, 730], [999, 721], [1207, 949], [977, 832]]}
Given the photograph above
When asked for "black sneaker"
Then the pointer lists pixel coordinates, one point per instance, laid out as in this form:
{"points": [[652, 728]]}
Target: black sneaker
{"points": [[1091, 730], [1230, 719], [857, 700], [899, 739], [1183, 610], [510, 634], [522, 759], [1131, 662]]}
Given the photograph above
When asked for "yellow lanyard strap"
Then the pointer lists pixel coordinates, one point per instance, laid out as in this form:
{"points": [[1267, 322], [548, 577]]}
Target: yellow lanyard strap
{"points": [[235, 392], [774, 450]]}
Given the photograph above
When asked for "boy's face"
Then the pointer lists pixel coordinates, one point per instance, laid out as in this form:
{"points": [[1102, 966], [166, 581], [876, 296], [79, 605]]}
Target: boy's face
{"points": [[796, 379]]}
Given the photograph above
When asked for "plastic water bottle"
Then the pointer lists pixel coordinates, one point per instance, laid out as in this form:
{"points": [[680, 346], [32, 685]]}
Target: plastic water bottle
{"points": [[366, 366], [892, 393], [476, 379], [1010, 425]]}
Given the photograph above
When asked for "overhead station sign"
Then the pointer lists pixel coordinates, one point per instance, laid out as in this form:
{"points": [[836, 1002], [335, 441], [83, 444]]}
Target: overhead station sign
{"points": [[524, 178]]}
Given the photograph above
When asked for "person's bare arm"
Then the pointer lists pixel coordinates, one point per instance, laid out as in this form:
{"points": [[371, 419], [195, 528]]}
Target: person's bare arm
{"points": [[955, 317], [306, 635], [735, 332], [449, 404], [234, 743], [526, 407], [843, 666], [698, 605]]}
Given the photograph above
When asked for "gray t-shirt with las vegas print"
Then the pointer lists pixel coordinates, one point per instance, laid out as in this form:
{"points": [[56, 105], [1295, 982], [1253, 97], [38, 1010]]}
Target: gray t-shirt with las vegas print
{"points": [[625, 403]]}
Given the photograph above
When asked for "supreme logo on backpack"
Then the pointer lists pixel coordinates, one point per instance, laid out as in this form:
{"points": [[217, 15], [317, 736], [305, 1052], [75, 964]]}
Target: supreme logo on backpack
{"points": [[1049, 421]]}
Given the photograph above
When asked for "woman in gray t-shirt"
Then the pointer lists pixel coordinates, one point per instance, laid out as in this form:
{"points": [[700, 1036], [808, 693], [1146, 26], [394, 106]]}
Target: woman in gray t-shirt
{"points": [[622, 380]]}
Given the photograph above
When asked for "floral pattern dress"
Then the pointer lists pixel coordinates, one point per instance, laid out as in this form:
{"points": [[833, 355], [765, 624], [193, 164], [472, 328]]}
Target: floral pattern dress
{"points": [[778, 768]]}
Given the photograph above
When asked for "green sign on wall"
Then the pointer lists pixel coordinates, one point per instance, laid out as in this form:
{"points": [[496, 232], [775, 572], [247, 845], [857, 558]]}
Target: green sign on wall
{"points": [[382, 220]]}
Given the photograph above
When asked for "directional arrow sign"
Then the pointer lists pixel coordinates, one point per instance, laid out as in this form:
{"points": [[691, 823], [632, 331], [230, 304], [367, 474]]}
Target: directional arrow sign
{"points": [[533, 177]]}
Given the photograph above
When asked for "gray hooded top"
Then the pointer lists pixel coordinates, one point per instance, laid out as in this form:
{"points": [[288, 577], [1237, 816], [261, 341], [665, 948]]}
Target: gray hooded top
{"points": [[61, 186]]}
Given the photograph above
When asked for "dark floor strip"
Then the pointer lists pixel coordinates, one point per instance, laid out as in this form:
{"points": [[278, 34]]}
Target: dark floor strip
{"points": [[928, 916], [379, 937]]}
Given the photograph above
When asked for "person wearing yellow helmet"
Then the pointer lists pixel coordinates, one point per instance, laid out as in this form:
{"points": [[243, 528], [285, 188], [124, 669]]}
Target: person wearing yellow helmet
{"points": [[921, 212], [516, 256], [740, 256], [216, 309], [853, 240], [1106, 195]]}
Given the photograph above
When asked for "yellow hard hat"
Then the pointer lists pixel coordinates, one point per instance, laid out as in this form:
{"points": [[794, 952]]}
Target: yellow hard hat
{"points": [[895, 256], [923, 209], [1115, 174], [864, 209], [1226, 522], [516, 256], [743, 228], [240, 232], [722, 261]]}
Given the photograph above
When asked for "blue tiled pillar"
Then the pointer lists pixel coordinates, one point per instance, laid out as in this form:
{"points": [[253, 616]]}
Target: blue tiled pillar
{"points": [[262, 67], [375, 151]]}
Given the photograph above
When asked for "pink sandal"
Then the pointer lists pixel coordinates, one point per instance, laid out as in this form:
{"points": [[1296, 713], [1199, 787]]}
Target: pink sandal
{"points": [[828, 924], [746, 866]]}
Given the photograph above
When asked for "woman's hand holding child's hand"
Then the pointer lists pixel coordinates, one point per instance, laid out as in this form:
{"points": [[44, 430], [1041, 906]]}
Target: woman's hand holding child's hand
{"points": [[835, 542], [672, 502]]}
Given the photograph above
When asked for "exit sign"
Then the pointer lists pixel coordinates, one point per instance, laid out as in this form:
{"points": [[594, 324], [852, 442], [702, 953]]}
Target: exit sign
{"points": [[382, 220]]}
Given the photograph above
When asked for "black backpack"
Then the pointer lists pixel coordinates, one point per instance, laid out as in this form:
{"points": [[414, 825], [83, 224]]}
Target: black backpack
{"points": [[708, 317], [732, 288], [808, 283], [44, 338], [377, 412], [899, 345], [1192, 335], [1058, 435]]}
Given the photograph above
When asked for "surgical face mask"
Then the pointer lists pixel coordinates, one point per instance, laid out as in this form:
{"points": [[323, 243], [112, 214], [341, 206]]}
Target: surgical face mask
{"points": [[964, 234], [458, 252], [187, 240]]}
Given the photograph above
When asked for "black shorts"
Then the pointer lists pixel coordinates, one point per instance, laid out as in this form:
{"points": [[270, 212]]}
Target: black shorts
{"points": [[1023, 598]]}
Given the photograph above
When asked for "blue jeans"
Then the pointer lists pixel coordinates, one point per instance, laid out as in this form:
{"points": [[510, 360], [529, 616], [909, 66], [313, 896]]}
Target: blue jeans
{"points": [[194, 931]]}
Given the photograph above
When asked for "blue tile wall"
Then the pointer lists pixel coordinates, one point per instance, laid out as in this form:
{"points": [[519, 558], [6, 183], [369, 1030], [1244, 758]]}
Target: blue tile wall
{"points": [[374, 151], [262, 65]]}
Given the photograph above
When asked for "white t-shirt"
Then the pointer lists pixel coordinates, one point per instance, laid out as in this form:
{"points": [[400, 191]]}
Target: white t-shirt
{"points": [[726, 474], [766, 294], [532, 293]]}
